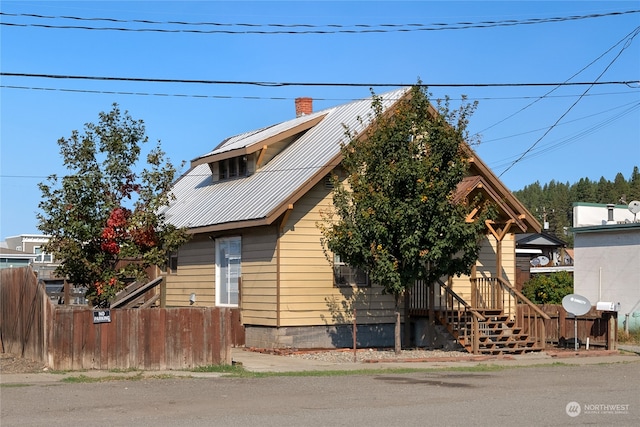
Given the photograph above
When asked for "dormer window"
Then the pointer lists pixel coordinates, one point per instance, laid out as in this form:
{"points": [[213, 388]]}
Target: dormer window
{"points": [[232, 168]]}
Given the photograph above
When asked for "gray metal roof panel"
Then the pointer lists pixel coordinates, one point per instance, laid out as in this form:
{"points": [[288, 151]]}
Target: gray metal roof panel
{"points": [[200, 202]]}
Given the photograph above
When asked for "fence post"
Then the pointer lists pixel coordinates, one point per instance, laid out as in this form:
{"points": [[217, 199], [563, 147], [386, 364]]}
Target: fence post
{"points": [[475, 339]]}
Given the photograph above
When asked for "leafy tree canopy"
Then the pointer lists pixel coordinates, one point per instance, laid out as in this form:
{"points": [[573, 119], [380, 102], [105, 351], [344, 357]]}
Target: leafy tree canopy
{"points": [[550, 289], [395, 217], [103, 217]]}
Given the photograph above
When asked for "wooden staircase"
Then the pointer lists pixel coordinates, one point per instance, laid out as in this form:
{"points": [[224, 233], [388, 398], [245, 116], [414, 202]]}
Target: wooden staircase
{"points": [[496, 333], [499, 319]]}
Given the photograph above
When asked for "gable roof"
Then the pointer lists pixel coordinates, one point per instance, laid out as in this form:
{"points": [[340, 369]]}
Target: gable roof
{"points": [[203, 205], [539, 239], [259, 199]]}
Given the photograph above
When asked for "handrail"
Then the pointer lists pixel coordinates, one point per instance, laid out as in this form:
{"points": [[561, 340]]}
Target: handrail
{"points": [[520, 296], [457, 297]]}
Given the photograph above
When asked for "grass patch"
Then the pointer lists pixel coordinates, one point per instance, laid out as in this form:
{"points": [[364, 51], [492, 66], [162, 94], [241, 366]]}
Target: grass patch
{"points": [[240, 372], [632, 338], [123, 371], [14, 385], [221, 369], [83, 379]]}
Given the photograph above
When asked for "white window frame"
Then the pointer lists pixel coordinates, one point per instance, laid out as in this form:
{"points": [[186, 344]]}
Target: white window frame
{"points": [[228, 249], [352, 272]]}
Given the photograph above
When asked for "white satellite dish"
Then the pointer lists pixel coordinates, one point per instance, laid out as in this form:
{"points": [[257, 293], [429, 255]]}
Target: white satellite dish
{"points": [[540, 260], [576, 304], [634, 208]]}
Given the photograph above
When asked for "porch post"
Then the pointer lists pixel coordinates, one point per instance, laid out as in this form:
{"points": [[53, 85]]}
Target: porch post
{"points": [[474, 287]]}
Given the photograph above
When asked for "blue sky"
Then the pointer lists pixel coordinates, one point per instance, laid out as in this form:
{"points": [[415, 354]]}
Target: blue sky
{"points": [[598, 136]]}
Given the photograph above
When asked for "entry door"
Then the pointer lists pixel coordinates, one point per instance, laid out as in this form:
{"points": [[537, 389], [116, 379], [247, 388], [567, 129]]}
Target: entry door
{"points": [[228, 270]]}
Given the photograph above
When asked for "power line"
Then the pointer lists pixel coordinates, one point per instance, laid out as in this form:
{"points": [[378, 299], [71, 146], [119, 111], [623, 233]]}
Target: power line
{"points": [[307, 28], [269, 98], [320, 84], [546, 95], [630, 38]]}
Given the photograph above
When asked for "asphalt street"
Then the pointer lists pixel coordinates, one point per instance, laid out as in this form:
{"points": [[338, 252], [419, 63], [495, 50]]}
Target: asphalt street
{"points": [[529, 391]]}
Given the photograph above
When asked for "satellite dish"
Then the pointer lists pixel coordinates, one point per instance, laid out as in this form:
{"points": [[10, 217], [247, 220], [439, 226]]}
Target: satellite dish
{"points": [[543, 260], [576, 304], [634, 208], [535, 262]]}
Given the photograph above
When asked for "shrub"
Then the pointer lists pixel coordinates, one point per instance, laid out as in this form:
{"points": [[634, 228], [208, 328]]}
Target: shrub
{"points": [[543, 289]]}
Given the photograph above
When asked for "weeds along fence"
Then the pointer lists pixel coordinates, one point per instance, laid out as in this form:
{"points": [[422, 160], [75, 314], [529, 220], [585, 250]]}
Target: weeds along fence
{"points": [[66, 337]]}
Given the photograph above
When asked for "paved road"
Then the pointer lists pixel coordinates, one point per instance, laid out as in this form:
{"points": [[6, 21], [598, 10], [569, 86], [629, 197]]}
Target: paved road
{"points": [[535, 395]]}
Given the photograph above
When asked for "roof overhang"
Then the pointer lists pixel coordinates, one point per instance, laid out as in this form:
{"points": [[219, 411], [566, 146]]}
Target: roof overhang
{"points": [[258, 145]]}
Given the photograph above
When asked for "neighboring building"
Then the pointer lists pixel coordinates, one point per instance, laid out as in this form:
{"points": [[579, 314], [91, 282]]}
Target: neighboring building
{"points": [[10, 258], [33, 244], [253, 205], [541, 253], [29, 243], [607, 259]]}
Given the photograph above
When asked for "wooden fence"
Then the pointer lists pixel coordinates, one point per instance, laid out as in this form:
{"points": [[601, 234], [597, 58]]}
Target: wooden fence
{"points": [[599, 327], [66, 337]]}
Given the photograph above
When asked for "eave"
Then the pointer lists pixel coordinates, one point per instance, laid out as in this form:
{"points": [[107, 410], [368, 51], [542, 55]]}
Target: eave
{"points": [[262, 144]]}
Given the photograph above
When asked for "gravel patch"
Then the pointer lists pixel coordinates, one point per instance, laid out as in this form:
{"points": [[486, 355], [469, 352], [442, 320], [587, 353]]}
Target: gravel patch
{"points": [[375, 355]]}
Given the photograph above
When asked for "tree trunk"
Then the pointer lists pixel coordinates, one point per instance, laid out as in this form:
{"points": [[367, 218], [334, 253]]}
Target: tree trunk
{"points": [[398, 342], [397, 335]]}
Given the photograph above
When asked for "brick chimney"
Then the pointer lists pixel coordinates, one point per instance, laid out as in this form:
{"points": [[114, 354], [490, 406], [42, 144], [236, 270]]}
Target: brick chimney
{"points": [[304, 106]]}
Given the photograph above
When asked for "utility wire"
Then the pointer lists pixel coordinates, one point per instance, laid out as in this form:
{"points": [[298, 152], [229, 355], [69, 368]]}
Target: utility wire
{"points": [[546, 95], [607, 121], [322, 84], [270, 98], [632, 35], [307, 28]]}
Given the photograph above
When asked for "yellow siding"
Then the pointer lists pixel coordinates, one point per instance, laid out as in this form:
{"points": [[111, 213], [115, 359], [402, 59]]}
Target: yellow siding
{"points": [[195, 274], [486, 264], [307, 294], [259, 276]]}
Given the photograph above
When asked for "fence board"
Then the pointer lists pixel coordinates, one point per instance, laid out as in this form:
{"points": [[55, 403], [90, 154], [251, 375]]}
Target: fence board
{"points": [[593, 325], [66, 338]]}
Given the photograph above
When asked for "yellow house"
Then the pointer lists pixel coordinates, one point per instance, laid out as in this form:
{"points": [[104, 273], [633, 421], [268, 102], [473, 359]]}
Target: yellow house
{"points": [[253, 205]]}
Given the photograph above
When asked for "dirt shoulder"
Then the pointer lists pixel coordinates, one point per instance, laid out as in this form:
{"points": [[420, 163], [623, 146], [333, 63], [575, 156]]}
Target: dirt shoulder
{"points": [[12, 364]]}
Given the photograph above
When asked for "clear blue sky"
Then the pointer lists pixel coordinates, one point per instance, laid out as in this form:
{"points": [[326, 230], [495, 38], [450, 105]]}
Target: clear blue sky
{"points": [[597, 137]]}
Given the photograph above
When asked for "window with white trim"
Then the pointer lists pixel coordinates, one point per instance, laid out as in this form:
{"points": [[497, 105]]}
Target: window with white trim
{"points": [[228, 270], [345, 275]]}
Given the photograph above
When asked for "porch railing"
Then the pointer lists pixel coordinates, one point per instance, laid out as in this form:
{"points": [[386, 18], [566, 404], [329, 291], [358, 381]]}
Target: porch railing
{"points": [[454, 313], [495, 293]]}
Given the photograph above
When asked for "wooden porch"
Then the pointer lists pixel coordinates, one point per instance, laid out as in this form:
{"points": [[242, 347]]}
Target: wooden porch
{"points": [[497, 320]]}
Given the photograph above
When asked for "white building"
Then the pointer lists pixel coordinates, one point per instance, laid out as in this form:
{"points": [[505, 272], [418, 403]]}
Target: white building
{"points": [[607, 259]]}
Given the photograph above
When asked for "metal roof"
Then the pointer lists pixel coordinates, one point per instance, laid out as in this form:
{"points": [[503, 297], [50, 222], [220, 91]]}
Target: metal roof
{"points": [[200, 202]]}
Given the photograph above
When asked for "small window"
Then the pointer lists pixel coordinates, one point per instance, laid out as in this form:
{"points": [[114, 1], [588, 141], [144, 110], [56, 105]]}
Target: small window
{"points": [[172, 263], [232, 168], [345, 275], [224, 169]]}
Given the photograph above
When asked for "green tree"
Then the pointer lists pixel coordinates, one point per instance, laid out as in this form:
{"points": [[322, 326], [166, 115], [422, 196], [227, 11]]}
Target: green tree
{"points": [[103, 217], [634, 185], [542, 289], [395, 218]]}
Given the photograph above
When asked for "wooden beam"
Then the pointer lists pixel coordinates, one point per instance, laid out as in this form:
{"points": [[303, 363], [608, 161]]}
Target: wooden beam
{"points": [[261, 156], [473, 213], [285, 217]]}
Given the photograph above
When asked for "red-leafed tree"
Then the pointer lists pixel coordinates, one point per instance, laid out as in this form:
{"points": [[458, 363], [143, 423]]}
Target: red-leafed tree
{"points": [[104, 217]]}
